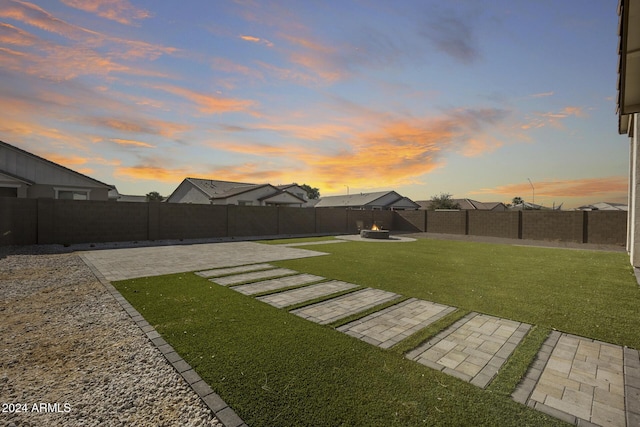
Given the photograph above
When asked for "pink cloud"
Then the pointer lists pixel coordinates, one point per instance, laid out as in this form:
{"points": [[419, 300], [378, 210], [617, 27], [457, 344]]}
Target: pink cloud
{"points": [[121, 11]]}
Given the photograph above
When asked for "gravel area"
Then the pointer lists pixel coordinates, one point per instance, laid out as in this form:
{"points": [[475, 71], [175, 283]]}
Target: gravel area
{"points": [[67, 344]]}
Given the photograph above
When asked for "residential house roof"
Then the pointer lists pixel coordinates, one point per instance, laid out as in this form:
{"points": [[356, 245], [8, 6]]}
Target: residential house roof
{"points": [[629, 63], [33, 180], [468, 205], [604, 206], [375, 199]]}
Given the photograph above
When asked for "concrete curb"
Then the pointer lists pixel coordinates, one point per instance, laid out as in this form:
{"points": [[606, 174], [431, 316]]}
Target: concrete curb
{"points": [[223, 412]]}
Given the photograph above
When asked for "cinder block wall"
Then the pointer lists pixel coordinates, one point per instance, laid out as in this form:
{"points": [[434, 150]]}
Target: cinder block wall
{"points": [[69, 221], [44, 221], [410, 220], [494, 224], [246, 221], [553, 225], [452, 222], [187, 221], [296, 221], [331, 220], [608, 227], [18, 221]]}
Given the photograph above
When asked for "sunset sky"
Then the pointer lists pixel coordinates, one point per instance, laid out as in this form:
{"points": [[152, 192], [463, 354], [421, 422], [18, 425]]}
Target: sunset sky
{"points": [[471, 98]]}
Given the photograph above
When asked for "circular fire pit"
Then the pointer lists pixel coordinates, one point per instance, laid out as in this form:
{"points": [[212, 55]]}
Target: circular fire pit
{"points": [[374, 234]]}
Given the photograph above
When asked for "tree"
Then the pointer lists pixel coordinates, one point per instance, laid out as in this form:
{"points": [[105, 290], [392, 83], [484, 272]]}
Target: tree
{"points": [[312, 192], [517, 200], [154, 196], [443, 201]]}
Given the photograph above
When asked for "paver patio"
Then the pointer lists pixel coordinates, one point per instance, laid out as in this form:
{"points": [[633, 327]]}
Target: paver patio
{"points": [[130, 263], [346, 305], [387, 327], [279, 283], [306, 293], [472, 349]]}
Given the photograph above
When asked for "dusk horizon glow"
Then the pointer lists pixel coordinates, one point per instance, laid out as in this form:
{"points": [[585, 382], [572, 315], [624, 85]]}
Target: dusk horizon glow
{"points": [[477, 99]]}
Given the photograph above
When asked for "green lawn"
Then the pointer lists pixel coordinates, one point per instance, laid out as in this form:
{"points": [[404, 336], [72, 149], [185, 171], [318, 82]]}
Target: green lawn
{"points": [[276, 369]]}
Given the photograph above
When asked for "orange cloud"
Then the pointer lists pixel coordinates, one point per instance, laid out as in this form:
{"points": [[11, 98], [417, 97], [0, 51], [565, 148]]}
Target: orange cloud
{"points": [[132, 143], [228, 66], [121, 11], [84, 53], [151, 127], [393, 152], [253, 39], [68, 161], [554, 118], [151, 173], [615, 186], [209, 104]]}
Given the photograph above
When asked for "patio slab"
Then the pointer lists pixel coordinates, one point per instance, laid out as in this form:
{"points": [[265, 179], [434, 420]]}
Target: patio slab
{"points": [[343, 306], [219, 272], [130, 263], [306, 293], [472, 349], [279, 283], [252, 276], [584, 382], [387, 327]]}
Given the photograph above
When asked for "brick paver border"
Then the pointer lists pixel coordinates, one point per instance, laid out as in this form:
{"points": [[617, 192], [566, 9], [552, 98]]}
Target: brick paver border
{"points": [[223, 412]]}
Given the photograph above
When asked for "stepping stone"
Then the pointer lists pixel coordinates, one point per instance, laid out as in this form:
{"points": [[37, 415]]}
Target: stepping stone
{"points": [[217, 272], [387, 327], [248, 277], [472, 349], [340, 307], [307, 293], [583, 381], [279, 283]]}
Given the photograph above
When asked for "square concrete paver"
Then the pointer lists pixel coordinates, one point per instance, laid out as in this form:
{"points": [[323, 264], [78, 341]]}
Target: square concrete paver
{"points": [[307, 293], [343, 306], [473, 349], [219, 272], [387, 327], [252, 276], [279, 283], [583, 380]]}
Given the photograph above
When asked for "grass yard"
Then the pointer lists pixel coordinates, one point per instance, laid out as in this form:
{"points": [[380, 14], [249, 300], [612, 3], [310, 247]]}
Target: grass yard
{"points": [[275, 368]]}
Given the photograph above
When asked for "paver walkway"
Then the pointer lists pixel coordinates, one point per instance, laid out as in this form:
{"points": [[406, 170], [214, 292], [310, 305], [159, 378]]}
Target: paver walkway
{"points": [[306, 293], [252, 276], [279, 283], [341, 307], [581, 380], [219, 272], [387, 327], [472, 349]]}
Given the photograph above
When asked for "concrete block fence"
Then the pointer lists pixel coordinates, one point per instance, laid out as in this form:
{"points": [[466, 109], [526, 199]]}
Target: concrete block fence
{"points": [[49, 221]]}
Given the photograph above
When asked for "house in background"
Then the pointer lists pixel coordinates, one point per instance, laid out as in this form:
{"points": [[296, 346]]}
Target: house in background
{"points": [[469, 205], [604, 206], [214, 192], [378, 200], [25, 175], [628, 109]]}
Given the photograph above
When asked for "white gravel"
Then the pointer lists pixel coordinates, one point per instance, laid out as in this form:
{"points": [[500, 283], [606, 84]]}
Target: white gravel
{"points": [[67, 343]]}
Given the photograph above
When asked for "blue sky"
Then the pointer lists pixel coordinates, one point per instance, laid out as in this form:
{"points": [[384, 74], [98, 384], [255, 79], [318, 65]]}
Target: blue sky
{"points": [[471, 98]]}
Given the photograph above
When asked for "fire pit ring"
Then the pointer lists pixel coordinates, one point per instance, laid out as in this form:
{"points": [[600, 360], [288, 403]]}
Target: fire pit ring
{"points": [[374, 233]]}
